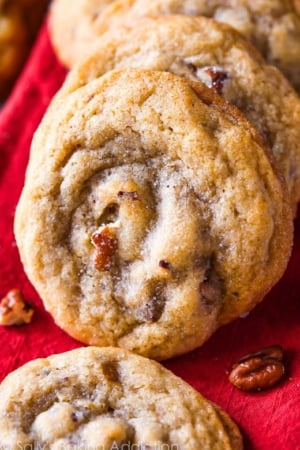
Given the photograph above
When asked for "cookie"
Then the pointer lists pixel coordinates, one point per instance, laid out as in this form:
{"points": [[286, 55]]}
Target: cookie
{"points": [[201, 48], [106, 398], [272, 25], [151, 213], [13, 46], [19, 21], [69, 25]]}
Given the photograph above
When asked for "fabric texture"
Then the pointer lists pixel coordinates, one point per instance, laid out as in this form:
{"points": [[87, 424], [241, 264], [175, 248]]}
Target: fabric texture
{"points": [[268, 420]]}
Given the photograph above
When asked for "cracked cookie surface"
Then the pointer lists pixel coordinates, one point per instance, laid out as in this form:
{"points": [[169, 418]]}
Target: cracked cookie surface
{"points": [[107, 398], [151, 213], [272, 25], [199, 48]]}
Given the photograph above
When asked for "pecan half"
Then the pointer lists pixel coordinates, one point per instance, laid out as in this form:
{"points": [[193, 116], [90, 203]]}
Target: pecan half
{"points": [[106, 244], [258, 371], [14, 310]]}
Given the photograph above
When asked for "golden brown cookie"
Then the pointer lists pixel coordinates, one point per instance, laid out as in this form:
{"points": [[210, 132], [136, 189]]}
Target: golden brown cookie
{"points": [[151, 213], [107, 398], [19, 21], [199, 48], [67, 25], [272, 25]]}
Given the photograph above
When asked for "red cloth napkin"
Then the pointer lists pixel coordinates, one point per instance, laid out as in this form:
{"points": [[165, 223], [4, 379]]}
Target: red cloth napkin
{"points": [[269, 420]]}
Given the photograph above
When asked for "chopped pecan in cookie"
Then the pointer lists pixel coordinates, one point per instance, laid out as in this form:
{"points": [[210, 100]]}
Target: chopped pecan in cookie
{"points": [[110, 371], [106, 244], [152, 310], [164, 264], [210, 288], [133, 195], [213, 77]]}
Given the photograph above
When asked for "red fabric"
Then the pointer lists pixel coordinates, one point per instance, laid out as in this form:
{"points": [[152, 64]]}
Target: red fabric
{"points": [[269, 420]]}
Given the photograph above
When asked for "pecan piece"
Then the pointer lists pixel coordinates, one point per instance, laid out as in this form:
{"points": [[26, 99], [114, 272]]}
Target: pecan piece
{"points": [[164, 264], [259, 370], [152, 310], [210, 294], [14, 310], [130, 195], [106, 243], [110, 371], [210, 289], [218, 77], [214, 77]]}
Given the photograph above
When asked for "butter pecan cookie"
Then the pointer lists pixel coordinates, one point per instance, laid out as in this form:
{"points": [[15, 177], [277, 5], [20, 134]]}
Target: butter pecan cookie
{"points": [[69, 26], [151, 213], [201, 48], [272, 25], [106, 398], [19, 20]]}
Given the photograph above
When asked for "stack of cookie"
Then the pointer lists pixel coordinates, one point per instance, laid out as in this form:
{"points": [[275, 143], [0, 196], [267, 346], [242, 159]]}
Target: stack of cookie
{"points": [[159, 196], [154, 210], [272, 26]]}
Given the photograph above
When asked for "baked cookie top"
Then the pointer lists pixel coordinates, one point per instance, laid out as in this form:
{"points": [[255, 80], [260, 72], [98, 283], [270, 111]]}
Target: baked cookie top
{"points": [[70, 26], [19, 21], [106, 398], [272, 25], [151, 213], [201, 48]]}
